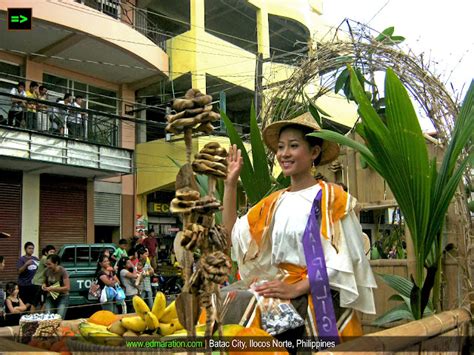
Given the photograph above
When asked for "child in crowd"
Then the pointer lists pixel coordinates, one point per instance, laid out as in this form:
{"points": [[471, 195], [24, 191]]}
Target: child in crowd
{"points": [[120, 252], [14, 306]]}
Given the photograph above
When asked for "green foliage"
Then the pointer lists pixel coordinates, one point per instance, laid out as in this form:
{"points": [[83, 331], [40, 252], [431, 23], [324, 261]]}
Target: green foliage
{"points": [[387, 37], [256, 177], [396, 149]]}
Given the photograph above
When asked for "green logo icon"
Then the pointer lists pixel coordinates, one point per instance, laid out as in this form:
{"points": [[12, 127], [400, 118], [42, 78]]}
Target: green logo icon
{"points": [[19, 19]]}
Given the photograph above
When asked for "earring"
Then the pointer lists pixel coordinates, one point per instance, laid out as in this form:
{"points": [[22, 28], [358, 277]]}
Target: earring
{"points": [[313, 170]]}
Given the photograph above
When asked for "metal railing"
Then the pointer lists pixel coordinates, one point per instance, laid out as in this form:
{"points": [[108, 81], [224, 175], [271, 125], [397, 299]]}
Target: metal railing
{"points": [[60, 120], [131, 15]]}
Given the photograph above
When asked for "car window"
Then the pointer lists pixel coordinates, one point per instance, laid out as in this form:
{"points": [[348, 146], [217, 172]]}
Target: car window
{"points": [[95, 252], [82, 255], [68, 256]]}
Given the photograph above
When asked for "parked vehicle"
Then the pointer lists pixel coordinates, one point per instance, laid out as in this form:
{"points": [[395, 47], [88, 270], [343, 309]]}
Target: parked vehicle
{"points": [[80, 261], [169, 284]]}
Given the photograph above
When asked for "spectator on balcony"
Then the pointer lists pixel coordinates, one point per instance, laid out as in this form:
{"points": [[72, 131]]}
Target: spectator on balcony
{"points": [[32, 93], [43, 109], [60, 116], [15, 115], [75, 123]]}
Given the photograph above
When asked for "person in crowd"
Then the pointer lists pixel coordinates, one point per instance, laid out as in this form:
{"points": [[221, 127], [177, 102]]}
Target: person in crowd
{"points": [[39, 278], [105, 276], [146, 293], [16, 112], [2, 293], [151, 244], [14, 306], [128, 275], [76, 120], [64, 112], [43, 121], [27, 266], [133, 253], [275, 239], [31, 118], [57, 286], [120, 252], [56, 124], [106, 252]]}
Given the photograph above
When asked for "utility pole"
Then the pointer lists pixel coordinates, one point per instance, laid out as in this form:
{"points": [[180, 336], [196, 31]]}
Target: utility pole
{"points": [[258, 84]]}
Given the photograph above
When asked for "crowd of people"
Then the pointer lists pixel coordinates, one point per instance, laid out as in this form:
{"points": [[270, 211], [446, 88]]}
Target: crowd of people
{"points": [[66, 118], [43, 284], [130, 269]]}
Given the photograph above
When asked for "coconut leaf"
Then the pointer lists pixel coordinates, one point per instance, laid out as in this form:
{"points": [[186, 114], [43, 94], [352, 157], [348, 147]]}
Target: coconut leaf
{"points": [[247, 173], [398, 283], [261, 178], [399, 312]]}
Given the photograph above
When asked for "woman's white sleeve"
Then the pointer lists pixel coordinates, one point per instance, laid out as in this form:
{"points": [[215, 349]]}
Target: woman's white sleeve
{"points": [[240, 238]]}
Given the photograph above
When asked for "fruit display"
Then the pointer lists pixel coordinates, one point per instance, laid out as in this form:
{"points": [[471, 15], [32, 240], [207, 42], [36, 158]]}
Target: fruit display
{"points": [[158, 322]]}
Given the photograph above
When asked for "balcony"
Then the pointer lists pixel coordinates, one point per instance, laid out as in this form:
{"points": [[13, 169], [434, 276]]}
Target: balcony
{"points": [[136, 17], [61, 139]]}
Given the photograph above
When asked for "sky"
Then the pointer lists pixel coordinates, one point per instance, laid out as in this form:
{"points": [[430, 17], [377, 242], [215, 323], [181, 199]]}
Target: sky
{"points": [[443, 30]]}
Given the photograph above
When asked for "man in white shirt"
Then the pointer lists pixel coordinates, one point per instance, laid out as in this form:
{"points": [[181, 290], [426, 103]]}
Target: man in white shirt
{"points": [[16, 113], [60, 116], [75, 122]]}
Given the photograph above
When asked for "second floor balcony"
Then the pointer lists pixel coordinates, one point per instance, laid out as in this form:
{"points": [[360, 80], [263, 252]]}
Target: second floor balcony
{"points": [[56, 133]]}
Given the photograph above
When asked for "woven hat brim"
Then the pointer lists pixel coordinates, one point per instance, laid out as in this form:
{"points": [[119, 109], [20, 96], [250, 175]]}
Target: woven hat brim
{"points": [[271, 134]]}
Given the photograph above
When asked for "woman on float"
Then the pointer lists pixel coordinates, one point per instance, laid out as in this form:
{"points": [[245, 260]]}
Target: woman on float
{"points": [[275, 240]]}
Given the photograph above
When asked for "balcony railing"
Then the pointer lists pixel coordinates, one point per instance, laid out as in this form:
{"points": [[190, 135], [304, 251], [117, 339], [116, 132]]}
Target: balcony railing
{"points": [[131, 15], [60, 120]]}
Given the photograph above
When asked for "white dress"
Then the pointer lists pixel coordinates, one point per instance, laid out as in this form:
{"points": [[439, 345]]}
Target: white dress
{"points": [[348, 269]]}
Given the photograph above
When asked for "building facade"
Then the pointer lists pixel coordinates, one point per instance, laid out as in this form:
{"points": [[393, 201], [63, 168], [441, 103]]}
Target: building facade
{"points": [[67, 172]]}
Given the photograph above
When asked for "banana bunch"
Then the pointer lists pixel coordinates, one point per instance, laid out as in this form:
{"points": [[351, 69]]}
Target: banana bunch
{"points": [[99, 334], [160, 320]]}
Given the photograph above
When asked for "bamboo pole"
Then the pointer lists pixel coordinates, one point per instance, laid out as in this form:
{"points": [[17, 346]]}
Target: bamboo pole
{"points": [[408, 336]]}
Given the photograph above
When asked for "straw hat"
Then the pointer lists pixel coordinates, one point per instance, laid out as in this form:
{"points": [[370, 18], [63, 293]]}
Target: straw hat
{"points": [[271, 133]]}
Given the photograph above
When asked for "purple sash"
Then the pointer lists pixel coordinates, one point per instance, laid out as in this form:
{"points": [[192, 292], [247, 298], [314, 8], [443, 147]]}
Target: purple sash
{"points": [[318, 276]]}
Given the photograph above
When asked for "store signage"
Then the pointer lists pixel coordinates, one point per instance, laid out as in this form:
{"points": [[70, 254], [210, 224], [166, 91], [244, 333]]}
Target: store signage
{"points": [[161, 207]]}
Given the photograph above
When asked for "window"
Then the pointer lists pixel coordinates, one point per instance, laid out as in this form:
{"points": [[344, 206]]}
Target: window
{"points": [[68, 256], [96, 98], [82, 255], [9, 77]]}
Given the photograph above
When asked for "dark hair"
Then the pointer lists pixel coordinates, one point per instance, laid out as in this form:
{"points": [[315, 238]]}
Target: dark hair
{"points": [[79, 97], [21, 83], [123, 241], [33, 84], [67, 96], [47, 248], [312, 141], [42, 87], [141, 251], [122, 263], [1, 259], [54, 258], [10, 287], [99, 261], [28, 244]]}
